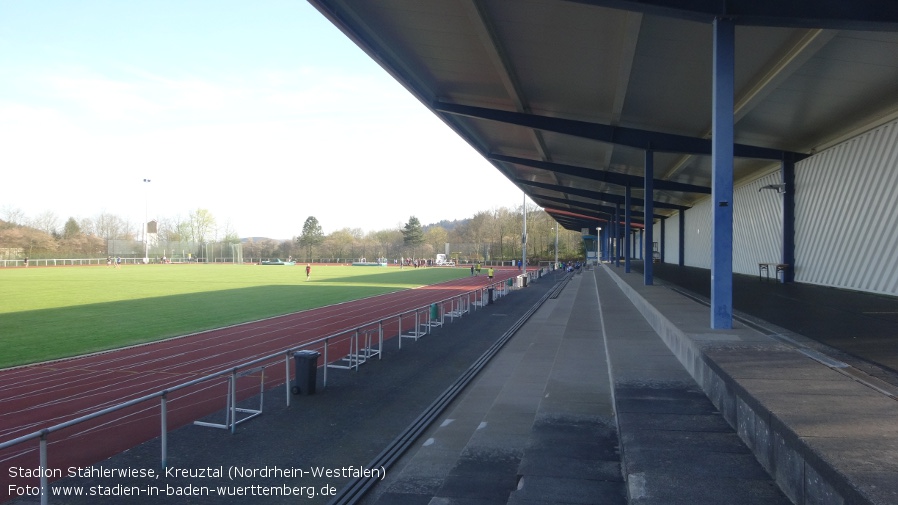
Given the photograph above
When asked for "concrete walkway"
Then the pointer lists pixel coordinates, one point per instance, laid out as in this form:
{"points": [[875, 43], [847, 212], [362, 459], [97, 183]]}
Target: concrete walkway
{"points": [[585, 394]]}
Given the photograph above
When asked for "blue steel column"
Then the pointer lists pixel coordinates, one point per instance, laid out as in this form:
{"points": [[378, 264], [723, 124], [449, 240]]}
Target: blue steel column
{"points": [[627, 235], [789, 220], [722, 175], [649, 211], [616, 238], [682, 241], [617, 234], [608, 238]]}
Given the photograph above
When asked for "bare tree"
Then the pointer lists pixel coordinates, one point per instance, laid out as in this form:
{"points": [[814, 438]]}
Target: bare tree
{"points": [[201, 225], [13, 216], [109, 226], [47, 222]]}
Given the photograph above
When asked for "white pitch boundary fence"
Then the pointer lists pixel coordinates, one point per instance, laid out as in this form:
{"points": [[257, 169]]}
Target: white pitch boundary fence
{"points": [[469, 300]]}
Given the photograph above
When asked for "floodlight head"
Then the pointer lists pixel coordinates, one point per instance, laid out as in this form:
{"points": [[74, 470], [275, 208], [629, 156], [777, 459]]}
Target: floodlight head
{"points": [[780, 188]]}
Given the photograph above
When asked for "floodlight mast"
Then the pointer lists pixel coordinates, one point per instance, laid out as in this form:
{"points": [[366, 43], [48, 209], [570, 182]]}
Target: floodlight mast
{"points": [[146, 225], [556, 246]]}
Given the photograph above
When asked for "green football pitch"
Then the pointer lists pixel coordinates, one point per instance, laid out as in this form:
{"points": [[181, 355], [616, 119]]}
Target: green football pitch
{"points": [[49, 313]]}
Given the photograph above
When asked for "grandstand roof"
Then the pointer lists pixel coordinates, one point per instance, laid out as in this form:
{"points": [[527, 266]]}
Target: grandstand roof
{"points": [[564, 97]]}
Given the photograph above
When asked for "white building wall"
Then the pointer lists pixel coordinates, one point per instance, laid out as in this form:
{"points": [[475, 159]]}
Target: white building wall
{"points": [[757, 228], [846, 218], [697, 236], [757, 225], [846, 214], [671, 238]]}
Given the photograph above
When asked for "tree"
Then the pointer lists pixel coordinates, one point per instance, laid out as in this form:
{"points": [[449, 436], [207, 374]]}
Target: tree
{"points": [[46, 222], [311, 236], [71, 229], [109, 226], [436, 236], [339, 244], [388, 242], [201, 224], [13, 215], [412, 234]]}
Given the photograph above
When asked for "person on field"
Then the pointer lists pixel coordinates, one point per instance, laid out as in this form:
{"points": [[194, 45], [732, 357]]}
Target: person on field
{"points": [[489, 273], [308, 271]]}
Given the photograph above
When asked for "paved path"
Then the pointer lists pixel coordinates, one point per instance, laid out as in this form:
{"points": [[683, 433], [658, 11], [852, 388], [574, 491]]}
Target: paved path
{"points": [[583, 396]]}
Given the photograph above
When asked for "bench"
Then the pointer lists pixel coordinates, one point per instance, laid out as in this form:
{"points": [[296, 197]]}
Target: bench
{"points": [[778, 267]]}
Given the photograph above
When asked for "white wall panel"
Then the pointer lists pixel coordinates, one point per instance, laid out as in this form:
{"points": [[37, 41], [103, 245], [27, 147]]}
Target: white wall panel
{"points": [[757, 225], [846, 214], [846, 218], [757, 228], [671, 238], [698, 235]]}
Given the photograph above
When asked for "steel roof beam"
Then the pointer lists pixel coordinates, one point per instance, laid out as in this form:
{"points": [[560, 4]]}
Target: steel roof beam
{"points": [[838, 14], [597, 195], [600, 175], [582, 220], [588, 206], [618, 135]]}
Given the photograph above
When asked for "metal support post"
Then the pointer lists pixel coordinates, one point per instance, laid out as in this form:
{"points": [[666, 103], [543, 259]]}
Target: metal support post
{"points": [[649, 210], [722, 174], [628, 220]]}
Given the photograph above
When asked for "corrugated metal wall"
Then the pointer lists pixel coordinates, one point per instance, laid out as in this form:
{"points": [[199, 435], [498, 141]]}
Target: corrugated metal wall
{"points": [[757, 228], [671, 239], [846, 214], [757, 225], [846, 218]]}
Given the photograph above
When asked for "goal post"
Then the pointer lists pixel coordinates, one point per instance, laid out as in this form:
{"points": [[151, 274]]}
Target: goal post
{"points": [[237, 253]]}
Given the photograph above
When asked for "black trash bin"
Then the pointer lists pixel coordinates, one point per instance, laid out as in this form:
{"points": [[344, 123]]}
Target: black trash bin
{"points": [[306, 372], [489, 296]]}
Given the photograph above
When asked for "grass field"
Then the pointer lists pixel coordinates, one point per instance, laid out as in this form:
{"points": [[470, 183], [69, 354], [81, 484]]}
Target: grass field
{"points": [[49, 313]]}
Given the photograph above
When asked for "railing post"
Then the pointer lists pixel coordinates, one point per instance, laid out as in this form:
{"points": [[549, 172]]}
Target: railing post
{"points": [[45, 484], [163, 414], [358, 352], [326, 341], [380, 340], [287, 377], [233, 393]]}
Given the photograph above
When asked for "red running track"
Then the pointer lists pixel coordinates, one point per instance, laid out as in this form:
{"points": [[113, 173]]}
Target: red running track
{"points": [[47, 394]]}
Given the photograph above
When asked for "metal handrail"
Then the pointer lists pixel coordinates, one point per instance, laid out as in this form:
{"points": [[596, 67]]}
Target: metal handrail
{"points": [[163, 394]]}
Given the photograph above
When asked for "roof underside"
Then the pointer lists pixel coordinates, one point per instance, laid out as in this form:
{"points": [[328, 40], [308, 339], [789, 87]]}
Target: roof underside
{"points": [[564, 97]]}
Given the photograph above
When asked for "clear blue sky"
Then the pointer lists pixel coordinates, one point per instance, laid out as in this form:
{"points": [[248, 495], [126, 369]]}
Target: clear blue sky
{"points": [[261, 112]]}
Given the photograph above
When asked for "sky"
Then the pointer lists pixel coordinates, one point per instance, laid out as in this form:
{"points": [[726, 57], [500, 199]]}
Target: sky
{"points": [[262, 113]]}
